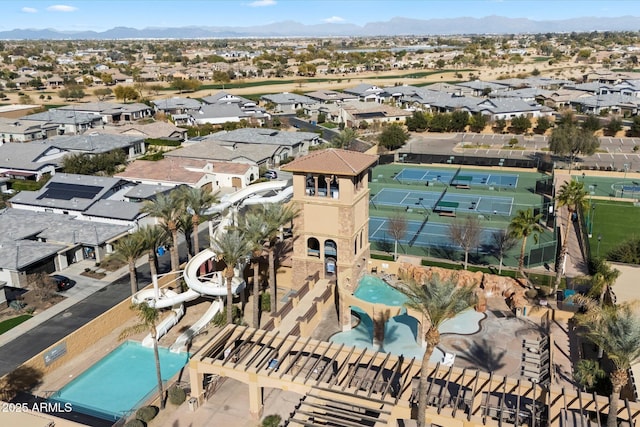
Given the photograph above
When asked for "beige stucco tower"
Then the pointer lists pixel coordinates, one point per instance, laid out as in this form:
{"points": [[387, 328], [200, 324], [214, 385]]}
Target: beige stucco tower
{"points": [[330, 188]]}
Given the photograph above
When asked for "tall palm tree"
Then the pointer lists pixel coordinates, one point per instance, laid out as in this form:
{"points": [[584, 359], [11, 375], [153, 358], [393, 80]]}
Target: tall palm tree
{"points": [[615, 329], [153, 237], [148, 317], [197, 201], [167, 209], [274, 217], [231, 247], [437, 300], [254, 229], [572, 195], [129, 249], [523, 225]]}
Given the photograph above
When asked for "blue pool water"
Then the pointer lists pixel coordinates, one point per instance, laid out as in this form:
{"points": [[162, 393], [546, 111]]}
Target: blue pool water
{"points": [[375, 290], [400, 331], [120, 381]]}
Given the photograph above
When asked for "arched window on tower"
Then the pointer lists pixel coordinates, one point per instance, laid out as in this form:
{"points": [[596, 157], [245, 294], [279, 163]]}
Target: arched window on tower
{"points": [[313, 247]]}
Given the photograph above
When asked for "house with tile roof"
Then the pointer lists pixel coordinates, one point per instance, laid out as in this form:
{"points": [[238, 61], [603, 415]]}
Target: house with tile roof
{"points": [[366, 92], [154, 130], [175, 105], [255, 154], [14, 130], [197, 173], [66, 122], [91, 198], [288, 102], [34, 242], [112, 112], [96, 143]]}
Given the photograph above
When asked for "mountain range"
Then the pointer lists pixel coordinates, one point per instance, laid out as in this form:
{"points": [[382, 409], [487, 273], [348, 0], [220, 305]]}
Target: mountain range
{"points": [[393, 27]]}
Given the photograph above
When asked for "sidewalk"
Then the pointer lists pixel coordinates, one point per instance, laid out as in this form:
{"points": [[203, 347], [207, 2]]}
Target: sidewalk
{"points": [[84, 287]]}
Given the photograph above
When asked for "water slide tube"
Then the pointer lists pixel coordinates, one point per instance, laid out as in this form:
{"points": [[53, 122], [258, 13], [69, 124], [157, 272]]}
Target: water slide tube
{"points": [[213, 284]]}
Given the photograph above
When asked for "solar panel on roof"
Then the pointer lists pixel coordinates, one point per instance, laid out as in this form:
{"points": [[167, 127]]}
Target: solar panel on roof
{"points": [[65, 191]]}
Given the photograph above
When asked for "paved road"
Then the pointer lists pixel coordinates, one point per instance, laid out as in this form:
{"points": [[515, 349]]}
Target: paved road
{"points": [[32, 342], [613, 152]]}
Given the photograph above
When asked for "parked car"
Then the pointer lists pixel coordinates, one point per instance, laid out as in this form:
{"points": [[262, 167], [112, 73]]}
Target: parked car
{"points": [[62, 282], [271, 174]]}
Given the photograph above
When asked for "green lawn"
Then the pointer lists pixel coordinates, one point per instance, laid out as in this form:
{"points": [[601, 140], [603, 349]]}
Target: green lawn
{"points": [[13, 322], [614, 222]]}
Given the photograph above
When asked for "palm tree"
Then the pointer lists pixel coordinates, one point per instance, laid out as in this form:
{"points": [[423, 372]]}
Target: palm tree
{"points": [[615, 329], [603, 279], [231, 247], [587, 373], [437, 300], [274, 217], [153, 237], [148, 320], [523, 225], [573, 196], [197, 201], [185, 226], [254, 229], [167, 208], [129, 249], [344, 138]]}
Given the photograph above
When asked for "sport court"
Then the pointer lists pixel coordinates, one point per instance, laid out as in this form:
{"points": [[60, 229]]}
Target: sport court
{"points": [[423, 234], [457, 178], [443, 202]]}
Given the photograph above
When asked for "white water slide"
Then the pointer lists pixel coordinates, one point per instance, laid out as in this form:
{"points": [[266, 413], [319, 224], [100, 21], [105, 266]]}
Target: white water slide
{"points": [[213, 284]]}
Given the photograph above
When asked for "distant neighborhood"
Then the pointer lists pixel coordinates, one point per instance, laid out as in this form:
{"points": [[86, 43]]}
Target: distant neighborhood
{"points": [[133, 112]]}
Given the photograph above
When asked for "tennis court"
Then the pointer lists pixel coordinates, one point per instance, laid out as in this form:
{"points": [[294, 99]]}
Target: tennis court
{"points": [[424, 234], [458, 178], [443, 201]]}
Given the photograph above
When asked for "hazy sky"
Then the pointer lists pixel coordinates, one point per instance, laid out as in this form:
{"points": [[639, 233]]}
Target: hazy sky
{"points": [[100, 15]]}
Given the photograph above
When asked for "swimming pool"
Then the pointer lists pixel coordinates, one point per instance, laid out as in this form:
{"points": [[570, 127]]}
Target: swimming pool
{"points": [[400, 331], [374, 289], [120, 381]]}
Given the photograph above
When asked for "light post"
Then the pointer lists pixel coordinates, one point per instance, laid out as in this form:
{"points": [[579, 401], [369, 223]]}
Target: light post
{"points": [[598, 250], [593, 218], [583, 174]]}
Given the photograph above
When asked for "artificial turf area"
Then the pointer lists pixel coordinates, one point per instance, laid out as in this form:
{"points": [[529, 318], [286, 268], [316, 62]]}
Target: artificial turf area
{"points": [[614, 222], [13, 322]]}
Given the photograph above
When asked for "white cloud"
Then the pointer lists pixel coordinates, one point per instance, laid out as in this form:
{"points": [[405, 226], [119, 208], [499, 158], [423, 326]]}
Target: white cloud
{"points": [[29, 10], [61, 8], [261, 3], [333, 20]]}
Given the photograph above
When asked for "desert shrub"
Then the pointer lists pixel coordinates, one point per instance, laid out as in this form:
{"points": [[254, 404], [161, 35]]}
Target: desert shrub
{"points": [[147, 413], [176, 395], [271, 421]]}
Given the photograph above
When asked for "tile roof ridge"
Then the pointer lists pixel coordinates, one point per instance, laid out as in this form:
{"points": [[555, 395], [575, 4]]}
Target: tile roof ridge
{"points": [[343, 159]]}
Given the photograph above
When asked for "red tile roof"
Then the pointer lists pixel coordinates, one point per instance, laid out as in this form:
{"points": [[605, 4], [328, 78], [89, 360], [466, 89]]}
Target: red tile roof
{"points": [[332, 161]]}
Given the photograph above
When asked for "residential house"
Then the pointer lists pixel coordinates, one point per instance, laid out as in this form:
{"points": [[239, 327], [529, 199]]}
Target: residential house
{"points": [[154, 130], [112, 112], [288, 103], [610, 103], [508, 108], [355, 113], [67, 122], [260, 155], [330, 96], [41, 242], [295, 143], [96, 143], [91, 198], [366, 92], [31, 161], [176, 105], [12, 130], [197, 173]]}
